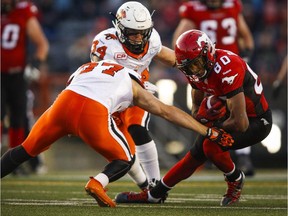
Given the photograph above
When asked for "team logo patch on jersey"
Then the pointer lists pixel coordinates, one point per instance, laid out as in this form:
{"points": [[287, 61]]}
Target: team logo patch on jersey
{"points": [[226, 72], [121, 55], [265, 122], [229, 80]]}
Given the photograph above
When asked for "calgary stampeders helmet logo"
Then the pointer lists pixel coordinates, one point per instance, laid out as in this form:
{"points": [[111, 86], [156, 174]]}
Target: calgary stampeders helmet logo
{"points": [[201, 41]]}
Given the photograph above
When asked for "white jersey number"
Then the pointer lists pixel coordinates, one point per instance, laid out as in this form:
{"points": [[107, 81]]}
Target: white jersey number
{"points": [[210, 28], [225, 60], [10, 36]]}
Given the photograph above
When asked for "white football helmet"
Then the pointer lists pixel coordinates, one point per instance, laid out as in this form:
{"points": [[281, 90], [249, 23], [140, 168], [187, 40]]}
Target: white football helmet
{"points": [[133, 18]]}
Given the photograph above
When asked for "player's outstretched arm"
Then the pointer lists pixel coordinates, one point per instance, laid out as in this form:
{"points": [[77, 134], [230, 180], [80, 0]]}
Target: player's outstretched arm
{"points": [[148, 102]]}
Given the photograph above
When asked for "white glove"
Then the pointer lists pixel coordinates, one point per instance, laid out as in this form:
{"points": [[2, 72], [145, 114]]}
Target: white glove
{"points": [[31, 73], [150, 87]]}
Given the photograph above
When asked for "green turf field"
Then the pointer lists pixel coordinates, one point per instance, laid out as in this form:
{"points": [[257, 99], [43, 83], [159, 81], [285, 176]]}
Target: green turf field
{"points": [[57, 194]]}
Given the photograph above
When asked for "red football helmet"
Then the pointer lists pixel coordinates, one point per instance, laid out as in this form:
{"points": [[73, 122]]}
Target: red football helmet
{"points": [[195, 54]]}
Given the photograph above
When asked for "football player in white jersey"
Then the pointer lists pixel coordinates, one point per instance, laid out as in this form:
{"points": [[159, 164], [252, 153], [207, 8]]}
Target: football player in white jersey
{"points": [[88, 99], [133, 42]]}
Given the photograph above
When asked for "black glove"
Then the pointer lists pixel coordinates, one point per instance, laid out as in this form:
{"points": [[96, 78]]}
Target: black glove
{"points": [[246, 55], [36, 63], [219, 136]]}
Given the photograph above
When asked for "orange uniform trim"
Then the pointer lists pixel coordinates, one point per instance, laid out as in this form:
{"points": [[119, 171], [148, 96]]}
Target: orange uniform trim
{"points": [[136, 56]]}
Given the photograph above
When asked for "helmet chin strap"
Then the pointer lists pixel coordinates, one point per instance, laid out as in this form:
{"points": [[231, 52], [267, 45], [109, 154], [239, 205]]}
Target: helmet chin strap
{"points": [[135, 48], [204, 75], [198, 79]]}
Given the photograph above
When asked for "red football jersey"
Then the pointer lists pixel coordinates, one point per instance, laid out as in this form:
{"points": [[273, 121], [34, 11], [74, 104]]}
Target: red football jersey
{"points": [[220, 25], [232, 75], [14, 37]]}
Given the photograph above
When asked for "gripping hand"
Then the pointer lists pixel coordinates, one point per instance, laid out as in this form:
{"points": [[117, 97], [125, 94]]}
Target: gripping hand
{"points": [[220, 137], [212, 108]]}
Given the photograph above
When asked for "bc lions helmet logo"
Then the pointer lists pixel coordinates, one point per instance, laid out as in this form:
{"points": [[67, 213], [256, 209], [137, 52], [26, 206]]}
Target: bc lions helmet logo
{"points": [[122, 14]]}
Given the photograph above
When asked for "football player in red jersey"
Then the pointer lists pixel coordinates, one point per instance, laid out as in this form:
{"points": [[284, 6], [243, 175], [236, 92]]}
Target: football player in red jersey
{"points": [[18, 25], [224, 23], [221, 20], [220, 73]]}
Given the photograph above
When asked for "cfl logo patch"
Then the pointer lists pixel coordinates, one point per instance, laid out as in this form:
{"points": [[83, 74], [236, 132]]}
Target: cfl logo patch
{"points": [[120, 56]]}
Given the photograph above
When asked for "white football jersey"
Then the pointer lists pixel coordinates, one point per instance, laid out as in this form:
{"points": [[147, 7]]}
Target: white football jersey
{"points": [[107, 46], [106, 82]]}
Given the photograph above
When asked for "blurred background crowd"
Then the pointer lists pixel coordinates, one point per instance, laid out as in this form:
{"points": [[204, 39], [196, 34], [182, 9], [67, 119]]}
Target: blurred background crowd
{"points": [[70, 26]]}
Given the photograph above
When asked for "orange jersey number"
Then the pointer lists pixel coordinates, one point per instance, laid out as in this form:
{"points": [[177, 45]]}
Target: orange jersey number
{"points": [[101, 50], [113, 68]]}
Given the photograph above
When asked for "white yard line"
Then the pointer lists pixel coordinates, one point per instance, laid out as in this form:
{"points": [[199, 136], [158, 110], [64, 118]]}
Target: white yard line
{"points": [[20, 202]]}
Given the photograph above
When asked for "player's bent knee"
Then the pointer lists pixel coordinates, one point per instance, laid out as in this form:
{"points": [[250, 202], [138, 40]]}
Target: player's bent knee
{"points": [[139, 134]]}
